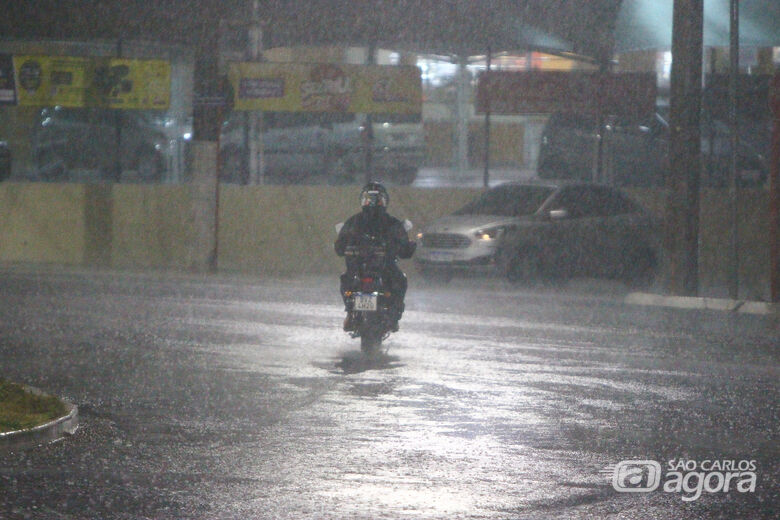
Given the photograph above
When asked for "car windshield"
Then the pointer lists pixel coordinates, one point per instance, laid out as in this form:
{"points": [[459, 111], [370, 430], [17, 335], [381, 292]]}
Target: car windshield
{"points": [[508, 201]]}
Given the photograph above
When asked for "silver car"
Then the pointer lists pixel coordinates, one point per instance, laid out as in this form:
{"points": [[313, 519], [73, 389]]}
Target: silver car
{"points": [[530, 231], [469, 239]]}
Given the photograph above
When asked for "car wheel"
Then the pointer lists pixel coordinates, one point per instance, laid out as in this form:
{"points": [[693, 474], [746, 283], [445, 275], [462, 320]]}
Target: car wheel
{"points": [[642, 267], [149, 166], [51, 167], [522, 267], [5, 169], [406, 176]]}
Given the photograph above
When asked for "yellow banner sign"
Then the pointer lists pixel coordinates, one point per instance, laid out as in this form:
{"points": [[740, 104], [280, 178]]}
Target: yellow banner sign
{"points": [[50, 80], [326, 87], [83, 82], [133, 84]]}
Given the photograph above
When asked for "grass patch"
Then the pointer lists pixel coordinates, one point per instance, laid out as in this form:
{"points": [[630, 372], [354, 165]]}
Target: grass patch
{"points": [[20, 409]]}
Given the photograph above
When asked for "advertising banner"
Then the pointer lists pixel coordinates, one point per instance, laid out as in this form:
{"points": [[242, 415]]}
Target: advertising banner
{"points": [[534, 92], [133, 84], [51, 80], [7, 83], [326, 87], [84, 82]]}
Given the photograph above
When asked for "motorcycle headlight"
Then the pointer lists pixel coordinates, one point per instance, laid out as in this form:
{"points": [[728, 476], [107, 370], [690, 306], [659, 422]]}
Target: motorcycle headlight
{"points": [[489, 233]]}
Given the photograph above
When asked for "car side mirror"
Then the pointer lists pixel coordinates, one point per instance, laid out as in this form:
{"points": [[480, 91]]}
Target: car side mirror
{"points": [[339, 226], [558, 214]]}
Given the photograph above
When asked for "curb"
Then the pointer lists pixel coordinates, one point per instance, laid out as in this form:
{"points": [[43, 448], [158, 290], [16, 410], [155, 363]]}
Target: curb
{"points": [[693, 302], [49, 432]]}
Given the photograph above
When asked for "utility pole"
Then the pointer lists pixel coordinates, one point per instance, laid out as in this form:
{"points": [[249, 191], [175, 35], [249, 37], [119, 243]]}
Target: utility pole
{"points": [[208, 105], [682, 211]]}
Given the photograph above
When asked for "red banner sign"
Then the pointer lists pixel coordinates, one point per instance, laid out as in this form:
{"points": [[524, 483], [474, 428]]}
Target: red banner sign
{"points": [[534, 92]]}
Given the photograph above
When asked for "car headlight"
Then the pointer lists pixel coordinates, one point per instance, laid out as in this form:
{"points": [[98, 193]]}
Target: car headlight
{"points": [[490, 233]]}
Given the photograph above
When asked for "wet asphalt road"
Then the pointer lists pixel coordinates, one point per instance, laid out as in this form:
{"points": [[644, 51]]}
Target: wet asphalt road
{"points": [[237, 398]]}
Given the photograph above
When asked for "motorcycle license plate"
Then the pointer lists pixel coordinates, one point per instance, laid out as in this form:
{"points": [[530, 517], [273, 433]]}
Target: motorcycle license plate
{"points": [[365, 302]]}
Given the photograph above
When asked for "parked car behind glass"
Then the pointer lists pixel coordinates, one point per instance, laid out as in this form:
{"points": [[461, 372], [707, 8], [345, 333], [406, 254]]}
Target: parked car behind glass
{"points": [[636, 152], [70, 143], [527, 231], [299, 146]]}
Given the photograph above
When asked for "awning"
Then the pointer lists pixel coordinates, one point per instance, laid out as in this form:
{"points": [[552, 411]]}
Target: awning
{"points": [[647, 24]]}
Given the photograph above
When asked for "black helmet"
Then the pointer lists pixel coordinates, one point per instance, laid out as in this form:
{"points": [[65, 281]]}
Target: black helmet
{"points": [[374, 195]]}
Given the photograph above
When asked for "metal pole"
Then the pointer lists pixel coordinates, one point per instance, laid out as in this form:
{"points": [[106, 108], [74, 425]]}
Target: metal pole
{"points": [[774, 193], [255, 146], [118, 121], [462, 114], [734, 128], [598, 171], [368, 132], [486, 175]]}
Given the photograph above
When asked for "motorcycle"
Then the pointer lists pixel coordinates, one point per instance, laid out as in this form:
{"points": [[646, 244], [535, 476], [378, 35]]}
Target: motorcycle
{"points": [[365, 293]]}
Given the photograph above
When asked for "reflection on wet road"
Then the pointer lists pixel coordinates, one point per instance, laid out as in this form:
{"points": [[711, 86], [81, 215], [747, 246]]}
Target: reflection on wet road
{"points": [[240, 398]]}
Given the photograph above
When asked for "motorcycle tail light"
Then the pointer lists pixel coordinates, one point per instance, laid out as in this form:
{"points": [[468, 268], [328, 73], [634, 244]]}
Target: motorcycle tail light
{"points": [[368, 284]]}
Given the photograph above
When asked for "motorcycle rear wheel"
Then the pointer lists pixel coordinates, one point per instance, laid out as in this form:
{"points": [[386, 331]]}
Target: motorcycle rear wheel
{"points": [[370, 340]]}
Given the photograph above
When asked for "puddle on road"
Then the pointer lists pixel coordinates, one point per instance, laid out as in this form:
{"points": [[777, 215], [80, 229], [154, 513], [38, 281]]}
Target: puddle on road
{"points": [[356, 362]]}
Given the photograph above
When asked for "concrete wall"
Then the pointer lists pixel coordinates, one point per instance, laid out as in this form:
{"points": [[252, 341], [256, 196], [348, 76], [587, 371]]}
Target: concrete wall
{"points": [[42, 223], [268, 229], [150, 227], [291, 229], [287, 229], [715, 237]]}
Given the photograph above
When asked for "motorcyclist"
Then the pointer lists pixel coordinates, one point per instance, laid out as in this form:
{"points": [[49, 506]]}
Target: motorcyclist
{"points": [[374, 220]]}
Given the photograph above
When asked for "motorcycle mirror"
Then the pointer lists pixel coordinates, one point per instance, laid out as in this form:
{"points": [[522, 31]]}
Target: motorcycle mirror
{"points": [[408, 225], [339, 226]]}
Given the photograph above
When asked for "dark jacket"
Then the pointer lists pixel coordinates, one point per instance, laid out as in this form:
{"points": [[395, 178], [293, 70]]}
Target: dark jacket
{"points": [[382, 226]]}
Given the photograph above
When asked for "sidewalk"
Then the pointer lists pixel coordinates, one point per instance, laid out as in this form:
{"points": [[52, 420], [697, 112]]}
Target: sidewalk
{"points": [[445, 177], [695, 302]]}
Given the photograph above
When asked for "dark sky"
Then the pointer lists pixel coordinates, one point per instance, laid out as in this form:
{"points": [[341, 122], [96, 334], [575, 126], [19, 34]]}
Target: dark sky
{"points": [[456, 26], [168, 20], [464, 27]]}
